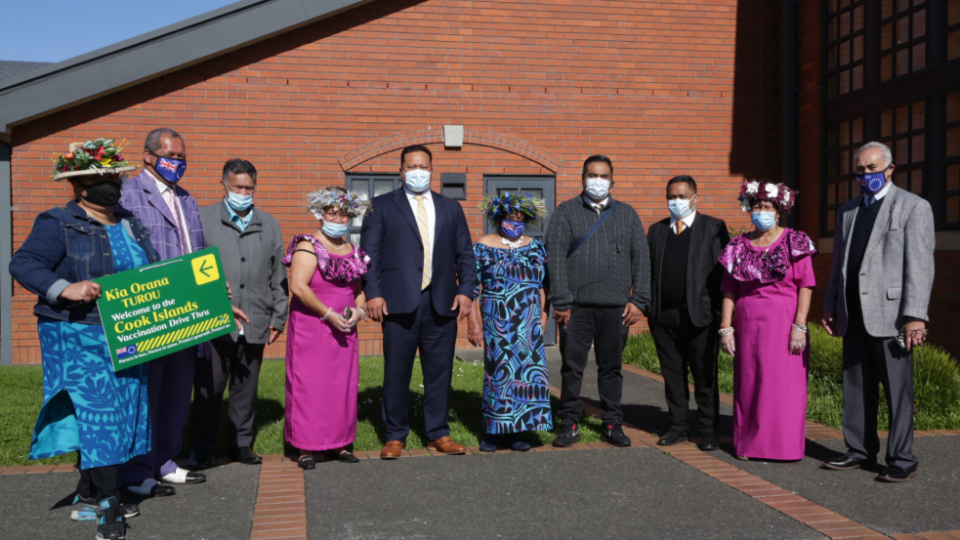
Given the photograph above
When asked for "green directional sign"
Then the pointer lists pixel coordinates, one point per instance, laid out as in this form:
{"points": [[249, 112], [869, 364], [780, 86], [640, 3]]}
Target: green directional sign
{"points": [[159, 309]]}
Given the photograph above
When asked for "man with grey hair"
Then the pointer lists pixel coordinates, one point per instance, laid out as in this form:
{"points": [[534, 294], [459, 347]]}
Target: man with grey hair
{"points": [[877, 298], [251, 248]]}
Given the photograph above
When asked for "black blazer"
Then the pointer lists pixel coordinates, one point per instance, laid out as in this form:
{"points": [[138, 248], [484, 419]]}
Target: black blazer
{"points": [[391, 238], [704, 272]]}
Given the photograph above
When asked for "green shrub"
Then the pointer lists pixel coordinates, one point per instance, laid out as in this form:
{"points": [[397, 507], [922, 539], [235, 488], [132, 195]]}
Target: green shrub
{"points": [[936, 380]]}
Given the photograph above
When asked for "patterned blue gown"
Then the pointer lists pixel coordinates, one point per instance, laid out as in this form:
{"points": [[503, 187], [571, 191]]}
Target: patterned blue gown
{"points": [[516, 394], [86, 405]]}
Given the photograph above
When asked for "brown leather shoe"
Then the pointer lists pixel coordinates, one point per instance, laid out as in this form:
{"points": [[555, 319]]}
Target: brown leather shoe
{"points": [[446, 445], [391, 450]]}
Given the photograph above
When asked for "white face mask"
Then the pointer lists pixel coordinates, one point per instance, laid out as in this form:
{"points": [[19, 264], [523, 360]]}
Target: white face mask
{"points": [[679, 208], [418, 180], [598, 188]]}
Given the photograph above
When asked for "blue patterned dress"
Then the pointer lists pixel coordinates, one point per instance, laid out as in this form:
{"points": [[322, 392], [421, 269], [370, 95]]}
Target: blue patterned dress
{"points": [[86, 406], [516, 394]]}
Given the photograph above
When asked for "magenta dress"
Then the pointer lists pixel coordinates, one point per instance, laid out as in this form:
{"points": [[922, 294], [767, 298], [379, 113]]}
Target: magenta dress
{"points": [[769, 383], [323, 368]]}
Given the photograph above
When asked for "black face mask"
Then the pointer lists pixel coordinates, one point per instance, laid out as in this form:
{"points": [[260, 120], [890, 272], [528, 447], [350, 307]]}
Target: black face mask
{"points": [[105, 193]]}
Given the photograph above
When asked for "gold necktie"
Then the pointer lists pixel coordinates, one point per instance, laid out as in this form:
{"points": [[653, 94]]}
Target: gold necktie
{"points": [[679, 227], [424, 224]]}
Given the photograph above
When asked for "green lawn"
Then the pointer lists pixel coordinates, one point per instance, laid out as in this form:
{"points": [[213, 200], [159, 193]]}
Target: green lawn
{"points": [[936, 381], [22, 389]]}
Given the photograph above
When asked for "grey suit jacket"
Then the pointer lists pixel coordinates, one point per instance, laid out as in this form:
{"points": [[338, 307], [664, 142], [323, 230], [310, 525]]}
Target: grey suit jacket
{"points": [[896, 275], [252, 262]]}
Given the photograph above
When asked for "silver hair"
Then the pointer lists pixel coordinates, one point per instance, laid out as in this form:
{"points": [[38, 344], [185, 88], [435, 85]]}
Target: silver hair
{"points": [[884, 151]]}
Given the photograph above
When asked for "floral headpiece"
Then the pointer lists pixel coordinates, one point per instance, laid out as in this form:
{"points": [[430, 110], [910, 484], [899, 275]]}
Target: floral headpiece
{"points": [[92, 157], [322, 200], [497, 208], [760, 190]]}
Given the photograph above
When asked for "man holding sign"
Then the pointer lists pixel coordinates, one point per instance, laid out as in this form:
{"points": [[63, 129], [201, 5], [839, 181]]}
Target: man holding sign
{"points": [[172, 216]]}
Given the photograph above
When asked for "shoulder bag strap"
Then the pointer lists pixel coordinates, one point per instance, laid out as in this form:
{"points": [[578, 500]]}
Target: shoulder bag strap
{"points": [[586, 236]]}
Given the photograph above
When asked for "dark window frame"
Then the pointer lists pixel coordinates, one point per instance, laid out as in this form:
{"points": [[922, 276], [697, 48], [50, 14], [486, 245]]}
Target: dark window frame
{"points": [[352, 183]]}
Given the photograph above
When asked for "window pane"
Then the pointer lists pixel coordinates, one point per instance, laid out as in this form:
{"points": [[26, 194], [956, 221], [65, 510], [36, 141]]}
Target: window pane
{"points": [[382, 186], [903, 62], [845, 81], [953, 209], [886, 36], [953, 178], [916, 182], [953, 12], [857, 18], [845, 162], [833, 6], [831, 194], [844, 29], [858, 77], [953, 45], [916, 153], [844, 3], [919, 24], [903, 30], [832, 165], [833, 140], [918, 116], [901, 179], [843, 192], [831, 220], [832, 58], [858, 131], [832, 29], [953, 142], [953, 107], [903, 119], [832, 85], [886, 67], [857, 48], [844, 133], [886, 123], [886, 8], [901, 152], [902, 5], [919, 56], [844, 53]]}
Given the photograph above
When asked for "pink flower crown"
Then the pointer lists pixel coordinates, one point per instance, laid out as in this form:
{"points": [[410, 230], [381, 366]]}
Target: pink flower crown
{"points": [[761, 190]]}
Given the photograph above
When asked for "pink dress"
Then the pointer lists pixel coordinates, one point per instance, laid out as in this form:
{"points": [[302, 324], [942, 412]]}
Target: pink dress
{"points": [[769, 383], [323, 368]]}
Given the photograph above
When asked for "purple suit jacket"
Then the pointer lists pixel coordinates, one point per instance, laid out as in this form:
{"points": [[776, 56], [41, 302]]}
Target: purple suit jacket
{"points": [[140, 196]]}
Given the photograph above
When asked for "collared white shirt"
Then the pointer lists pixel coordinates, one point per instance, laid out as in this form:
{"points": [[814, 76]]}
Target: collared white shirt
{"points": [[596, 205], [687, 221], [183, 219], [870, 199], [431, 212]]}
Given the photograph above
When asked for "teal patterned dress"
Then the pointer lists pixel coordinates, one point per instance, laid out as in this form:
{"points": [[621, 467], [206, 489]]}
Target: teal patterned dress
{"points": [[86, 405], [516, 393]]}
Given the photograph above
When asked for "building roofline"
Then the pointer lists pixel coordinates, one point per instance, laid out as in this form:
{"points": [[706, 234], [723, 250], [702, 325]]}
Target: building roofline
{"points": [[110, 69]]}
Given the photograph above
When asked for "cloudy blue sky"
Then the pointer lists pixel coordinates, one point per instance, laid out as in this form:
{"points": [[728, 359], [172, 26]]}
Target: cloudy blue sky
{"points": [[55, 30]]}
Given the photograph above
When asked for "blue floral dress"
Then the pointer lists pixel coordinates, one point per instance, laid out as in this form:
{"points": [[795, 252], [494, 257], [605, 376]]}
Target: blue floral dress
{"points": [[86, 405], [516, 393]]}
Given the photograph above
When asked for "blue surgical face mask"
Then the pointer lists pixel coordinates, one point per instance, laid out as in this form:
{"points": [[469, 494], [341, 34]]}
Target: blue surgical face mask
{"points": [[239, 202], [871, 183], [763, 221], [679, 208], [334, 230], [513, 229], [598, 188], [170, 169], [418, 180]]}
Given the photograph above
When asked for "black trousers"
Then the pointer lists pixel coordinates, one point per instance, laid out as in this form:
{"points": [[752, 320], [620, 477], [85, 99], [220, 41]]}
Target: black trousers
{"points": [[681, 346], [869, 362], [99, 482], [239, 363], [603, 328], [436, 337]]}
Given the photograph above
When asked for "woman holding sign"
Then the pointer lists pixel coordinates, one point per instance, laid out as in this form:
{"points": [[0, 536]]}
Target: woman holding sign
{"points": [[86, 405], [323, 367]]}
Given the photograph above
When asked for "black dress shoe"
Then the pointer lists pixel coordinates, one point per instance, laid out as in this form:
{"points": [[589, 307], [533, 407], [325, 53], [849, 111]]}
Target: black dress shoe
{"points": [[307, 463], [846, 463], [199, 460], [708, 443], [672, 437], [346, 457], [248, 457], [613, 434], [896, 474]]}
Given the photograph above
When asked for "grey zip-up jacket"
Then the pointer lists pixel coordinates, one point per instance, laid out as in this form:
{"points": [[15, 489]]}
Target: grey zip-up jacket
{"points": [[610, 269]]}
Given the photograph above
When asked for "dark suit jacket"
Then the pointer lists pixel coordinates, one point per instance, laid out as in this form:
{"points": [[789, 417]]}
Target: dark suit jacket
{"points": [[391, 238], [704, 272]]}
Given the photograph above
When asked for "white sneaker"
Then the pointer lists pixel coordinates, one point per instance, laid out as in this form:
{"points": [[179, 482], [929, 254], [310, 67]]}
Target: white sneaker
{"points": [[183, 476]]}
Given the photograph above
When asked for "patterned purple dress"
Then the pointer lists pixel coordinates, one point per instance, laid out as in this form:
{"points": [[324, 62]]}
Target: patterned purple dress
{"points": [[769, 383], [323, 368]]}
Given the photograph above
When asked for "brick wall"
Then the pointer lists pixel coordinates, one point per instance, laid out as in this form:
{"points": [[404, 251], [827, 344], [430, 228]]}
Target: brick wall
{"points": [[662, 87]]}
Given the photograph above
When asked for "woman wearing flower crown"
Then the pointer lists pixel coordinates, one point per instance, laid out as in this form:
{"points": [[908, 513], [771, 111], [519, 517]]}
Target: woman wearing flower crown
{"points": [[767, 287], [323, 367], [511, 269]]}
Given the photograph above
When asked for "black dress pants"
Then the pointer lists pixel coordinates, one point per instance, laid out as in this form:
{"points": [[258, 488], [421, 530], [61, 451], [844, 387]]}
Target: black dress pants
{"points": [[99, 482], [239, 363], [869, 362], [603, 328], [681, 346]]}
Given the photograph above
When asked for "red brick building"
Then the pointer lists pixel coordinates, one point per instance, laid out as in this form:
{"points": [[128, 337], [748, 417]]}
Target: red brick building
{"points": [[326, 92]]}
